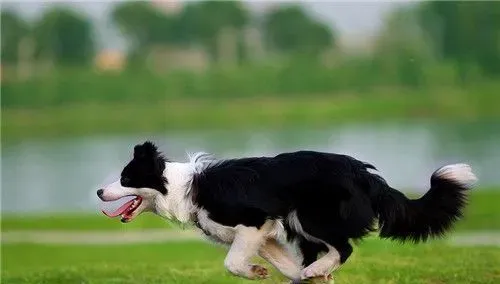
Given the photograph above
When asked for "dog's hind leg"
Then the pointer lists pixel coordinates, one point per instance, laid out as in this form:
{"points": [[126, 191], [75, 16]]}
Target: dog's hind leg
{"points": [[324, 266], [310, 250], [276, 254], [339, 251]]}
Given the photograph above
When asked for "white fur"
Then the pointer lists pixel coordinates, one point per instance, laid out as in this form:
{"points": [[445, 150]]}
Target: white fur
{"points": [[294, 248], [277, 231], [200, 160], [459, 173], [176, 204]]}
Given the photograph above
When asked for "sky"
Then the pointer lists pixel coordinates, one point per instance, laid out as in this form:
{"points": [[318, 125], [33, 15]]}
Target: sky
{"points": [[354, 20]]}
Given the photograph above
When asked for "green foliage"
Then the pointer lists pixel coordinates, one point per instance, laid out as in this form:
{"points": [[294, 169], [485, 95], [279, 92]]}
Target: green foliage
{"points": [[291, 29], [202, 22], [65, 37], [13, 30], [143, 25], [402, 50], [293, 78], [467, 32], [146, 109], [198, 23]]}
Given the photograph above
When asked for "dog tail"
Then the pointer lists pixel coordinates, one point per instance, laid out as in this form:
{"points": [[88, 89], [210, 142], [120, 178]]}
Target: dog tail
{"points": [[431, 215]]}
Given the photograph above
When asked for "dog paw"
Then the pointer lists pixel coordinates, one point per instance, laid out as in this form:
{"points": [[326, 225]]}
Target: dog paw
{"points": [[325, 279], [313, 273], [259, 272]]}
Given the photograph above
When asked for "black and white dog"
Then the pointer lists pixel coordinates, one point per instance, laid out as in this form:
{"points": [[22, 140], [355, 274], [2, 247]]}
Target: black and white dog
{"points": [[312, 201]]}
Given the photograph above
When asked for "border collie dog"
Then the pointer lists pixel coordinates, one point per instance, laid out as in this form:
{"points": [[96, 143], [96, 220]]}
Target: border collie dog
{"points": [[309, 202]]}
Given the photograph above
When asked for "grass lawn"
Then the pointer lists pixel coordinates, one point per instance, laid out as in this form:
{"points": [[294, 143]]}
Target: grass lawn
{"points": [[373, 261], [81, 222]]}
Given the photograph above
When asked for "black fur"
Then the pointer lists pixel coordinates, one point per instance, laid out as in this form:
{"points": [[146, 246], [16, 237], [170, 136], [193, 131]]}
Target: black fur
{"points": [[335, 197], [145, 169], [429, 216]]}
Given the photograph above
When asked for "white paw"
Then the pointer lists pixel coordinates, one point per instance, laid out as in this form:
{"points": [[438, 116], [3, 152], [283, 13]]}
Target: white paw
{"points": [[323, 267], [314, 271]]}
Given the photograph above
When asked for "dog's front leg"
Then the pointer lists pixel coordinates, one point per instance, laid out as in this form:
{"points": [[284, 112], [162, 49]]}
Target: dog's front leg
{"points": [[246, 243]]}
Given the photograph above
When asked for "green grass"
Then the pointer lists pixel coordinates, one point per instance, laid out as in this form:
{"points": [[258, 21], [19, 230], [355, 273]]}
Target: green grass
{"points": [[80, 222], [481, 214], [373, 261], [324, 110]]}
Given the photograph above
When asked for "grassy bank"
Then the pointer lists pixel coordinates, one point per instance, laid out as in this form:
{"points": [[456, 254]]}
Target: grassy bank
{"points": [[64, 85], [274, 112], [481, 214], [373, 261]]}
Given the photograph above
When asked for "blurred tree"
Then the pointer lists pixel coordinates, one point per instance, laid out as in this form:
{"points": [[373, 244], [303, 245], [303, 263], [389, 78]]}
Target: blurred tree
{"points": [[65, 37], [198, 23], [290, 29], [202, 22], [144, 25], [401, 48], [13, 30], [466, 32]]}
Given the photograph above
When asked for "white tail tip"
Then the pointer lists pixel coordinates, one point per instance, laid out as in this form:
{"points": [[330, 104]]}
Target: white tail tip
{"points": [[459, 173]]}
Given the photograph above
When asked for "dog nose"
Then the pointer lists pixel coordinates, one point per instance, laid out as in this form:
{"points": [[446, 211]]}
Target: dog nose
{"points": [[100, 192]]}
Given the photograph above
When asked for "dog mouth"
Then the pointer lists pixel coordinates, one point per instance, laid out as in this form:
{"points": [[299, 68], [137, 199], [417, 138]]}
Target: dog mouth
{"points": [[126, 210]]}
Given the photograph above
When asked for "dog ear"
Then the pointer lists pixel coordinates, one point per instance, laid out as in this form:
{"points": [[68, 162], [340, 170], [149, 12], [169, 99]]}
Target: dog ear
{"points": [[148, 149]]}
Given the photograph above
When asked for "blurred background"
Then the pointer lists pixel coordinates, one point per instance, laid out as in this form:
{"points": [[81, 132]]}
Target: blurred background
{"points": [[407, 86]]}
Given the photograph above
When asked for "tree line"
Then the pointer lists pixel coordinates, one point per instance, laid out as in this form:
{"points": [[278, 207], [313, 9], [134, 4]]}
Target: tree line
{"points": [[465, 33], [66, 36]]}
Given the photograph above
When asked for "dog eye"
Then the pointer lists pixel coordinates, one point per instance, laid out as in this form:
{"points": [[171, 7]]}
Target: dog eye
{"points": [[124, 181]]}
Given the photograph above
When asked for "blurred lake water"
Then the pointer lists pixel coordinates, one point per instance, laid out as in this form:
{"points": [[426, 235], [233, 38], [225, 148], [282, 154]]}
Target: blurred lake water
{"points": [[63, 175]]}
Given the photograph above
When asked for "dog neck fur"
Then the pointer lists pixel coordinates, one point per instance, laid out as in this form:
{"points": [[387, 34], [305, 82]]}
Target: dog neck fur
{"points": [[177, 204]]}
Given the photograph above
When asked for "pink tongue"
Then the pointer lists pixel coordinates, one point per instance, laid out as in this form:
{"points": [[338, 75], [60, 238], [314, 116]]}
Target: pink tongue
{"points": [[120, 210]]}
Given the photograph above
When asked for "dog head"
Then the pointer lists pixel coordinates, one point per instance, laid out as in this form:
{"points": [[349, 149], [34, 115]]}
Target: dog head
{"points": [[141, 186]]}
